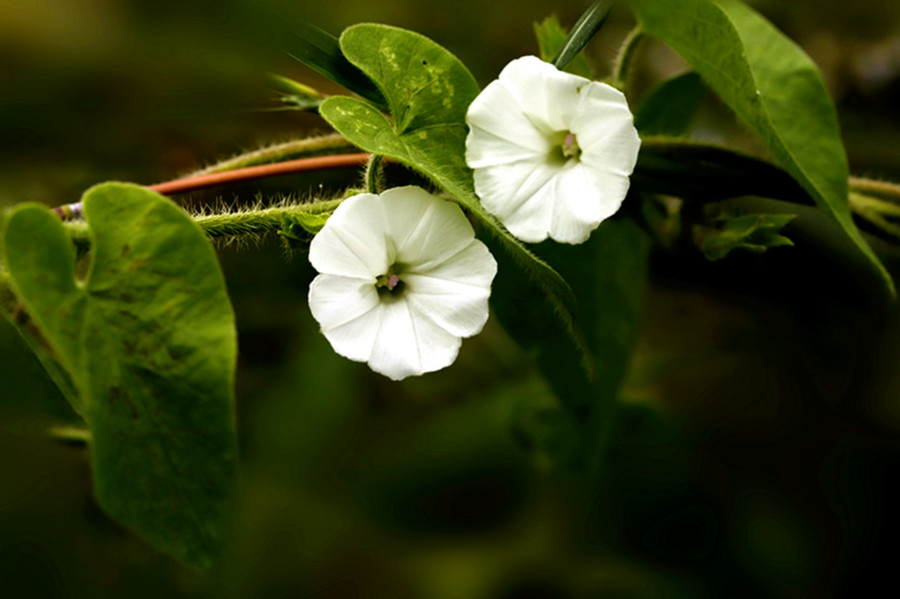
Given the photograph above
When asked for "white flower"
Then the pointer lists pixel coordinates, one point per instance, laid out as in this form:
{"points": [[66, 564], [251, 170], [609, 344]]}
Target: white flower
{"points": [[551, 151], [402, 280]]}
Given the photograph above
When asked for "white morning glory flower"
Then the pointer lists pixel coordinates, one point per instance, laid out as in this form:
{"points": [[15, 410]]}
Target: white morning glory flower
{"points": [[402, 280], [551, 151]]}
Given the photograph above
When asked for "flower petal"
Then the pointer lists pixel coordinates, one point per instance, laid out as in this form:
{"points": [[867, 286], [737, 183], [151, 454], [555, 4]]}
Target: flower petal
{"points": [[424, 229], [336, 300], [355, 339], [579, 208], [454, 295], [499, 131], [485, 148], [605, 129], [353, 243], [546, 95], [522, 195], [408, 344]]}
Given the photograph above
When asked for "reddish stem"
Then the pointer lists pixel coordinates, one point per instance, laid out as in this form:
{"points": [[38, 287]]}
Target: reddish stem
{"points": [[318, 163]]}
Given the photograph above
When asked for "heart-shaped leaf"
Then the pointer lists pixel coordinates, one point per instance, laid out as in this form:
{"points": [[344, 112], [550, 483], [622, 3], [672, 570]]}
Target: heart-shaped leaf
{"points": [[148, 341], [429, 91]]}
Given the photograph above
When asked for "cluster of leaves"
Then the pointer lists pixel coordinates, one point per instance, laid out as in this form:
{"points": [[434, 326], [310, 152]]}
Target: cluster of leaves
{"points": [[144, 346]]}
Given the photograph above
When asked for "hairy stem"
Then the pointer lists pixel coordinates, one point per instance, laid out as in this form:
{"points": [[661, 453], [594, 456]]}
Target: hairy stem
{"points": [[877, 212], [375, 174], [884, 189], [622, 66], [231, 224], [297, 148]]}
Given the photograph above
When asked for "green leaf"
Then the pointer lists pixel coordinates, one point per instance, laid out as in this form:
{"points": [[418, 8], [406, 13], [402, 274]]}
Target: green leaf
{"points": [[772, 86], [609, 275], [295, 94], [752, 232], [702, 172], [584, 30], [320, 51], [669, 108], [148, 340], [429, 91], [551, 36]]}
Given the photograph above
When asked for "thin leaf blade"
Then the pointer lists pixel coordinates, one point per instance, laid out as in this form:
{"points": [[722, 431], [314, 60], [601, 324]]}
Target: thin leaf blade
{"points": [[321, 51], [550, 37]]}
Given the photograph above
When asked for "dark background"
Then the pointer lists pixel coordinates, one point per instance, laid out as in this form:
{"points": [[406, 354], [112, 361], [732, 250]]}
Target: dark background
{"points": [[762, 409]]}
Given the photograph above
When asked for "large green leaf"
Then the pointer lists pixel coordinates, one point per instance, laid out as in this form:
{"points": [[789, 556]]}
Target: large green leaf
{"points": [[608, 275], [772, 86], [429, 91], [148, 340]]}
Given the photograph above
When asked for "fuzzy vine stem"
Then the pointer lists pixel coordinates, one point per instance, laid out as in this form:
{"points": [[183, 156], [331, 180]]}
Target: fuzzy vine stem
{"points": [[375, 174], [289, 150], [877, 212], [231, 224], [625, 57], [884, 189]]}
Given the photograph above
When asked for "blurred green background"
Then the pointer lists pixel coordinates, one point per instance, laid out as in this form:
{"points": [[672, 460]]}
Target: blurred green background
{"points": [[760, 421]]}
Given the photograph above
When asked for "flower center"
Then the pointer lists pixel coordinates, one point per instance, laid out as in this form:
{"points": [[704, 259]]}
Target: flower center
{"points": [[565, 147], [389, 284]]}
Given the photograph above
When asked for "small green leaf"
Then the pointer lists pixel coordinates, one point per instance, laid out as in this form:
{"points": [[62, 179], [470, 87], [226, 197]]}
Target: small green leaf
{"points": [[295, 94], [752, 232], [149, 342], [551, 36], [772, 86], [584, 30], [669, 108], [429, 91]]}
